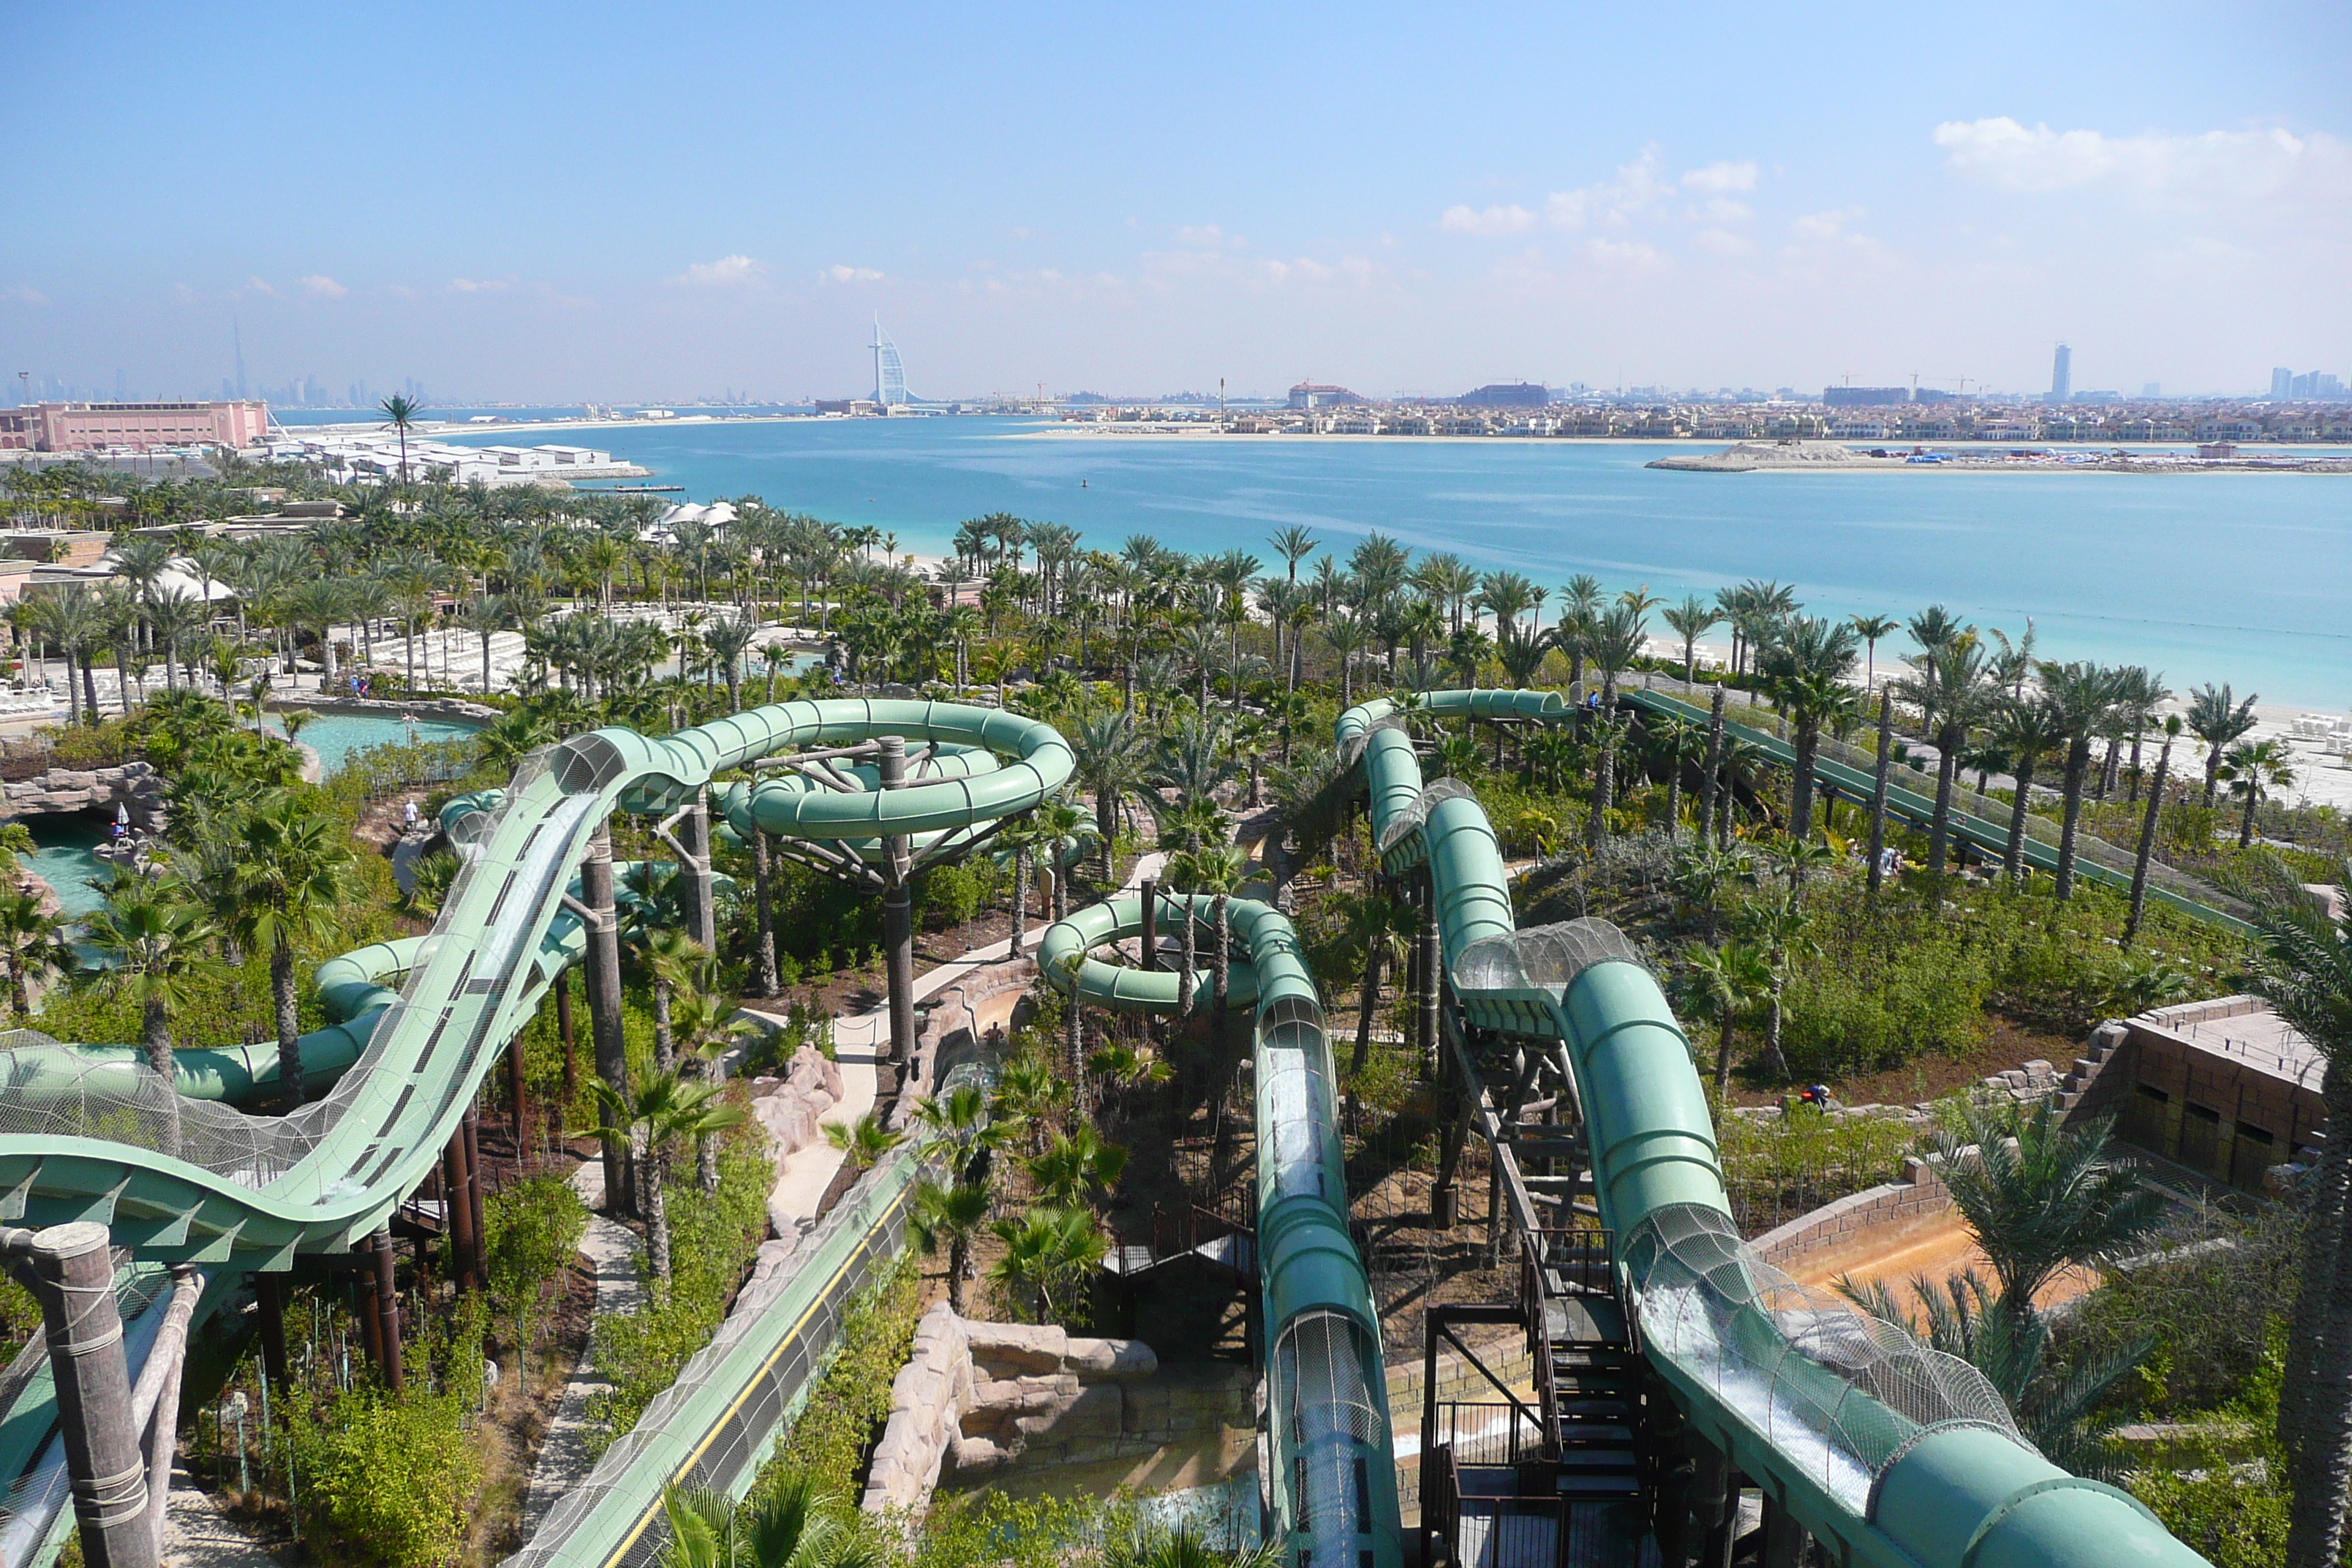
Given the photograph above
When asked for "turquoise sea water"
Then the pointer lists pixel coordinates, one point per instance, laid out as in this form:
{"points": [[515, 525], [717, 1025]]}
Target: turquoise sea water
{"points": [[2239, 577]]}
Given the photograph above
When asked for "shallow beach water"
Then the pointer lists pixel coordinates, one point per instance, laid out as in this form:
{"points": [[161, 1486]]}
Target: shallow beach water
{"points": [[2235, 577]]}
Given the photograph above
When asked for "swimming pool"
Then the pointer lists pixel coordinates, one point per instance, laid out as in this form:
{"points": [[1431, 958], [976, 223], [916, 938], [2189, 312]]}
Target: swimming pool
{"points": [[335, 736], [65, 860]]}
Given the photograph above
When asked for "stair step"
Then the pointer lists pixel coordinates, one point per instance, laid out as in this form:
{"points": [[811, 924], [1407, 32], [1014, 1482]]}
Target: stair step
{"points": [[1588, 1435], [1584, 1486]]}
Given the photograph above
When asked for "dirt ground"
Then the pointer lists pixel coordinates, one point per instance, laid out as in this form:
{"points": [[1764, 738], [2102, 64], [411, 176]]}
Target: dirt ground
{"points": [[1931, 1078]]}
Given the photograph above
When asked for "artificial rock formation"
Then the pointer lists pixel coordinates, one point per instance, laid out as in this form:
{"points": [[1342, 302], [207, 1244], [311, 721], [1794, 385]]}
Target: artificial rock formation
{"points": [[133, 785]]}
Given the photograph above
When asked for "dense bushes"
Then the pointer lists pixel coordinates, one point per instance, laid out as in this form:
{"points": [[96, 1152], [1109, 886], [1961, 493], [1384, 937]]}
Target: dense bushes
{"points": [[713, 1237], [851, 1399]]}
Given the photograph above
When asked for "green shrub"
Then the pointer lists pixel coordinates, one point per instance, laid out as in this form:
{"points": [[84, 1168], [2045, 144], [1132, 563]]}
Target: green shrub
{"points": [[851, 1399], [387, 1480], [713, 1237], [533, 1228]]}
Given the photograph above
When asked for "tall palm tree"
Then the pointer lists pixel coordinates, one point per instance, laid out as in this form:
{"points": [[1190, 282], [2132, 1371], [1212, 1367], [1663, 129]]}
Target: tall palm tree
{"points": [[1062, 831], [33, 945], [1954, 688], [2026, 729], [954, 1217], [2304, 970], [2079, 694], [651, 1117], [2217, 720], [1075, 1167], [706, 1026], [1805, 669], [789, 1524], [1870, 628], [1113, 758], [400, 411], [2172, 728], [156, 941], [1617, 635], [2251, 770], [1780, 927], [1693, 619], [1721, 986], [1294, 544], [291, 880]]}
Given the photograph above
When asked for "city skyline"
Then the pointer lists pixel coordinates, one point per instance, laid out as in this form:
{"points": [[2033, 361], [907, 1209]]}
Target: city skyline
{"points": [[1416, 207]]}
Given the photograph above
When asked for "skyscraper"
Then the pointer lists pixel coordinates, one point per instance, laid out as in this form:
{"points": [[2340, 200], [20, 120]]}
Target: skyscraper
{"points": [[2282, 382], [889, 376], [2061, 375]]}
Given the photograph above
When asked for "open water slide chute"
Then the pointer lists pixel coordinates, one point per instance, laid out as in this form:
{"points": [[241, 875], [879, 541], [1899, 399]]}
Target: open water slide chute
{"points": [[1891, 1453], [87, 1135], [1330, 1484]]}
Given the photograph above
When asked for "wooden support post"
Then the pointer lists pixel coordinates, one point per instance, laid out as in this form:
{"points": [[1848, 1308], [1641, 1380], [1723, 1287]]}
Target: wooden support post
{"points": [[387, 1307], [604, 1002], [72, 1278], [457, 1214]]}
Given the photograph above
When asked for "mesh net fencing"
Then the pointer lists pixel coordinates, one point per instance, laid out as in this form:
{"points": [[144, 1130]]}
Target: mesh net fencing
{"points": [[53, 1091], [1840, 1394], [1541, 958], [1409, 821], [1328, 1430]]}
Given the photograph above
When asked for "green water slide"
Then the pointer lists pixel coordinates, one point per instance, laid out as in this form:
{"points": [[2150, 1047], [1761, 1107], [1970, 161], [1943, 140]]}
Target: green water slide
{"points": [[88, 1134], [1890, 1453], [1331, 1477], [2164, 886]]}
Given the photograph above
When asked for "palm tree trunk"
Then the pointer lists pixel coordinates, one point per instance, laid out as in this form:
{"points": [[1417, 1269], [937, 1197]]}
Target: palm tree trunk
{"points": [[2013, 854], [1366, 1000], [156, 1036], [665, 1039], [2253, 798], [761, 871], [653, 1167], [289, 1022], [2078, 763], [1939, 833], [88, 688], [1774, 1062], [2146, 839], [1800, 788], [1020, 899], [959, 1259], [1225, 959]]}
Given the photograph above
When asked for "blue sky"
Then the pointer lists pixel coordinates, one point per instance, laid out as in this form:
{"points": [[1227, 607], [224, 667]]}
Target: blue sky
{"points": [[566, 202]]}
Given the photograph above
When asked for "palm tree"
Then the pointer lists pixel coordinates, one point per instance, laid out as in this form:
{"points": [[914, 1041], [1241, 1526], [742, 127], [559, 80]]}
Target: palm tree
{"points": [[2251, 770], [1062, 830], [1779, 926], [672, 961], [650, 1118], [290, 879], [1806, 669], [864, 1141], [1164, 1548], [2039, 1195], [1693, 618], [1616, 637], [400, 411], [789, 1525], [1050, 1256], [2214, 718], [1016, 837], [33, 945], [1074, 1166], [485, 617], [74, 620], [1951, 689], [2026, 729], [1870, 628], [1722, 985], [706, 1026], [1294, 544], [2079, 694], [2172, 730], [2304, 968], [156, 941], [962, 1120], [1374, 926], [953, 1216]]}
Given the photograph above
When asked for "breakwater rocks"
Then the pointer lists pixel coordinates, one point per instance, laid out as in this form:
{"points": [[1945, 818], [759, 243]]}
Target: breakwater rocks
{"points": [[135, 786], [1747, 456], [453, 707]]}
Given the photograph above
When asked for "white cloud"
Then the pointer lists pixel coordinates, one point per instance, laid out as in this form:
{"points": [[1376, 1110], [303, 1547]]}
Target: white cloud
{"points": [[22, 294], [1208, 236], [1716, 179], [1822, 227], [319, 286], [1639, 255], [1513, 219], [1722, 242], [2221, 164], [838, 273], [477, 285], [727, 272], [259, 286]]}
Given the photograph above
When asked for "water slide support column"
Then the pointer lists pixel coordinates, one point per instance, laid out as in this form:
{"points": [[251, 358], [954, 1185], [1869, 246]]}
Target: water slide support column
{"points": [[1433, 974], [456, 1213], [72, 1270], [691, 845], [564, 1035], [898, 917], [604, 998], [1150, 955], [387, 1307], [762, 873], [1707, 778]]}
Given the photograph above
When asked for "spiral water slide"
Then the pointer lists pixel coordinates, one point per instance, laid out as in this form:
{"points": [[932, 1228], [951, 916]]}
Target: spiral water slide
{"points": [[1330, 1479], [184, 1178], [1889, 1453]]}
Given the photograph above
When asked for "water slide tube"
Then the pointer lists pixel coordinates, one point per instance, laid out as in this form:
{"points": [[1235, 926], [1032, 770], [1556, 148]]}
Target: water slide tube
{"points": [[1331, 1460], [82, 1136], [1891, 1453]]}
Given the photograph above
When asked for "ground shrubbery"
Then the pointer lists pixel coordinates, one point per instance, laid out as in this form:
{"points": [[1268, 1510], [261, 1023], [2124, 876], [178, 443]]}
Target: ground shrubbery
{"points": [[845, 1410], [713, 1237]]}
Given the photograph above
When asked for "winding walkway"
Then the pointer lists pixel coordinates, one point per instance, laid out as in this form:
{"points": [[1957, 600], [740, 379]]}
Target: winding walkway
{"points": [[565, 1455]]}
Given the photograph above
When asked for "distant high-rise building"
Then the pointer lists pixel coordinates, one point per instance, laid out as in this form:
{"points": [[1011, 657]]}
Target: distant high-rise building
{"points": [[889, 376], [2061, 375], [2282, 382], [2152, 389], [1864, 397], [1307, 394], [1506, 395]]}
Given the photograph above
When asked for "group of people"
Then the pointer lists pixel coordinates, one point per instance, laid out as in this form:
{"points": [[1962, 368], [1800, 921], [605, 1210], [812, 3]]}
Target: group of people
{"points": [[361, 683]]}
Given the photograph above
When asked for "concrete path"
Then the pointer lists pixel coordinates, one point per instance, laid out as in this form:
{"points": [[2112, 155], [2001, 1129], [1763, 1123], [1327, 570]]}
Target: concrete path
{"points": [[860, 1041], [612, 1250], [196, 1534]]}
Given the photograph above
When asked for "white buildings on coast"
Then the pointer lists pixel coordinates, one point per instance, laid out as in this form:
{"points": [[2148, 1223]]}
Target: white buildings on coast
{"points": [[348, 457]]}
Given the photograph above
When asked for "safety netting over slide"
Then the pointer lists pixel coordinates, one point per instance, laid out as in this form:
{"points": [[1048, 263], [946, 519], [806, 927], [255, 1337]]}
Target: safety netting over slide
{"points": [[51, 1090]]}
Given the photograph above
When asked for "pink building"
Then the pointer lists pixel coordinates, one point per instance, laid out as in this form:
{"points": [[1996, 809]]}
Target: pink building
{"points": [[87, 426]]}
